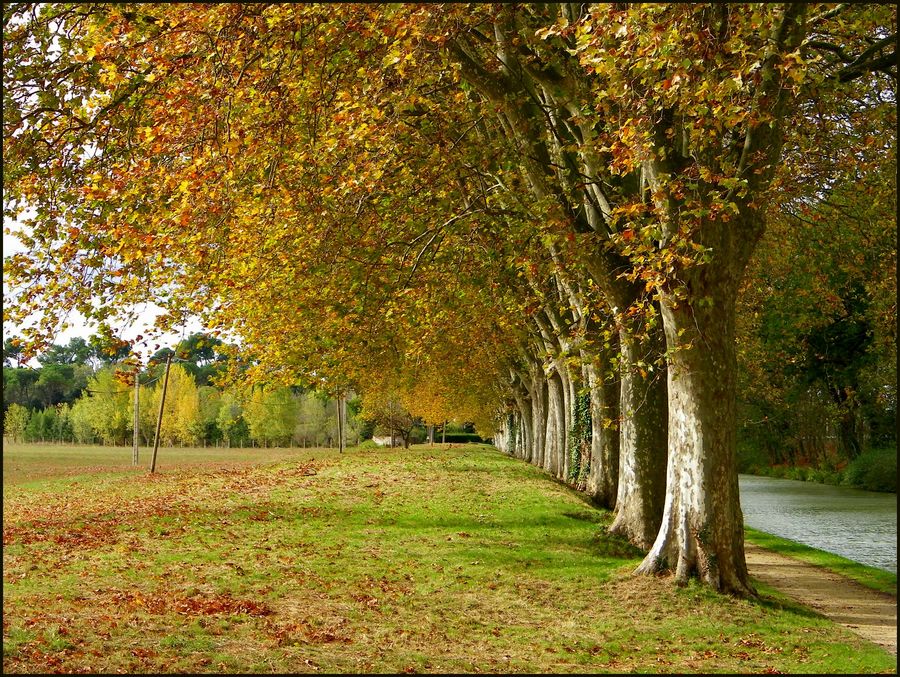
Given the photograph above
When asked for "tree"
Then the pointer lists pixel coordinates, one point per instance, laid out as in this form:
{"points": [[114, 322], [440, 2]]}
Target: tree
{"points": [[19, 387], [80, 418], [817, 336], [105, 348], [15, 421], [76, 352], [61, 429], [54, 382], [585, 184], [315, 423], [271, 415], [199, 356], [40, 426], [12, 353], [106, 408], [229, 416], [181, 422], [389, 416], [210, 402]]}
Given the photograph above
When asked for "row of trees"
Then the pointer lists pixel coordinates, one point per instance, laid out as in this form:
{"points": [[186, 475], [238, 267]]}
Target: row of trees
{"points": [[535, 217]]}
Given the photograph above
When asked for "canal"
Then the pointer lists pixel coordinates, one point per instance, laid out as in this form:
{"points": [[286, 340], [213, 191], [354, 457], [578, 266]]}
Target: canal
{"points": [[858, 525]]}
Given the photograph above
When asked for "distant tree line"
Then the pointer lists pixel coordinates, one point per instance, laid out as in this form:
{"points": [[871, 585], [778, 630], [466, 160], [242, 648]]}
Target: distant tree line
{"points": [[83, 393]]}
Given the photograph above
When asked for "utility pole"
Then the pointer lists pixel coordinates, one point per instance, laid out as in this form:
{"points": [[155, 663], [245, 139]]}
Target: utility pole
{"points": [[340, 422], [137, 390], [162, 401]]}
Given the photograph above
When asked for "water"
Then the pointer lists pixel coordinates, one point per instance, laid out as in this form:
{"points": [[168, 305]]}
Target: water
{"points": [[858, 525]]}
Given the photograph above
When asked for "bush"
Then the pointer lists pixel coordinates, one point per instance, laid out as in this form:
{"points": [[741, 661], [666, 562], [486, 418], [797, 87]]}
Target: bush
{"points": [[796, 473], [873, 470], [823, 476]]}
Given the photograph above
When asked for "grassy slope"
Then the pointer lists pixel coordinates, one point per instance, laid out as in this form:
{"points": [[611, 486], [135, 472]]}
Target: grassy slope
{"points": [[382, 561]]}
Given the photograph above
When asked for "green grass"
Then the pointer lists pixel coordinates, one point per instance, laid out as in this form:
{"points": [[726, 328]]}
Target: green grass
{"points": [[428, 560], [24, 463]]}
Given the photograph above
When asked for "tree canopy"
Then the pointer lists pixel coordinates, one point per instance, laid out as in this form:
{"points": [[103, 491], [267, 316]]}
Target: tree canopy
{"points": [[526, 204]]}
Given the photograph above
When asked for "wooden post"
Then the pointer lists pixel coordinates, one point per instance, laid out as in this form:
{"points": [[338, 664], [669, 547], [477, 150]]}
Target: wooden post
{"points": [[340, 424], [444, 432], [135, 442], [162, 401]]}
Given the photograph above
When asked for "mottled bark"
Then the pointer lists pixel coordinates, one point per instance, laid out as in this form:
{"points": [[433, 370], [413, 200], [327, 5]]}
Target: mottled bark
{"points": [[537, 390], [524, 450], [642, 417], [555, 437], [569, 398], [603, 474], [643, 443], [702, 527]]}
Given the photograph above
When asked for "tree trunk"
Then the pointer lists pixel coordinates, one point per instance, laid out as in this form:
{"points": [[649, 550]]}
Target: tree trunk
{"points": [[525, 450], [643, 442], [702, 531], [849, 429], [642, 415], [519, 439], [568, 389], [555, 439], [538, 392], [603, 475]]}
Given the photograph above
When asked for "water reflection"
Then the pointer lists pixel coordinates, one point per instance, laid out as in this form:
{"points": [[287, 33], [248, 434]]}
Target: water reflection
{"points": [[858, 525]]}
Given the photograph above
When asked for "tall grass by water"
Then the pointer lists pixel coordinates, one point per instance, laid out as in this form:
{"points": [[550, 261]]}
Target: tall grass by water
{"points": [[430, 559]]}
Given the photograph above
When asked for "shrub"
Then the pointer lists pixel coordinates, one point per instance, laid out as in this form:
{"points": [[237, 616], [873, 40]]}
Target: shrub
{"points": [[873, 470]]}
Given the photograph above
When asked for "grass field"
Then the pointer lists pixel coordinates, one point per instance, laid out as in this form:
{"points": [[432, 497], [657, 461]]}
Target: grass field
{"points": [[420, 560]]}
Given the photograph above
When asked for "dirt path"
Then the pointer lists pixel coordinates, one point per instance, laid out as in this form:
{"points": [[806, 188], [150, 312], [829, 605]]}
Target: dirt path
{"points": [[870, 614]]}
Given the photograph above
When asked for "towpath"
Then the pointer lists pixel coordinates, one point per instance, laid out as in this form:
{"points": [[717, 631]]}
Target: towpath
{"points": [[869, 613]]}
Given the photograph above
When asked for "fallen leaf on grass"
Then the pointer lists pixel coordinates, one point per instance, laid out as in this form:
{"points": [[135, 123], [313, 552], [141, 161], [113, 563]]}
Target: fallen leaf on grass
{"points": [[197, 605]]}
